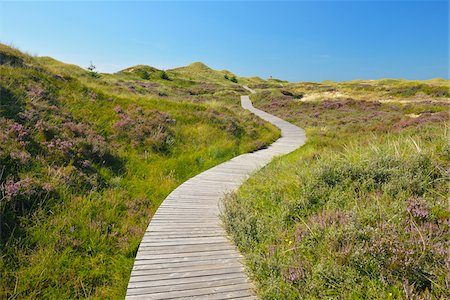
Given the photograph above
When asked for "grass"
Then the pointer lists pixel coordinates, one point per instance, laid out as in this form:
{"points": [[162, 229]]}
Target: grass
{"points": [[384, 90], [360, 211], [199, 84], [85, 162]]}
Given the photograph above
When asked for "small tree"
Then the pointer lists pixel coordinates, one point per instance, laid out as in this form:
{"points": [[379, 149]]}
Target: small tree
{"points": [[163, 75], [226, 77], [234, 79], [91, 71], [144, 74]]}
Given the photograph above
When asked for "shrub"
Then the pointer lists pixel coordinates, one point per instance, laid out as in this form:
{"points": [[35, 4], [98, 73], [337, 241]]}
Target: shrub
{"points": [[91, 71], [145, 129], [144, 74], [163, 75]]}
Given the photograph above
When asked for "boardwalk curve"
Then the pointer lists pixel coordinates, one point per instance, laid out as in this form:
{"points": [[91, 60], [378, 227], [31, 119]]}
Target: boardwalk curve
{"points": [[185, 252]]}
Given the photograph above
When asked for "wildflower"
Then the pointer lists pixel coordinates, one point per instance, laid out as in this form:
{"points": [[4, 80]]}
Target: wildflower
{"points": [[11, 189], [71, 126], [19, 130], [118, 109], [21, 156], [22, 187], [35, 92], [125, 120], [417, 208], [86, 163], [47, 187], [63, 145], [54, 108], [294, 274]]}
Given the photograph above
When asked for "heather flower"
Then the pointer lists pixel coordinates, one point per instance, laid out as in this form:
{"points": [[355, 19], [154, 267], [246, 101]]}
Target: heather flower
{"points": [[11, 189], [19, 130], [145, 128], [417, 208], [22, 187], [16, 127], [29, 114], [71, 126], [92, 95], [50, 145], [47, 129], [47, 187], [328, 218], [86, 163], [272, 250], [63, 145], [294, 274], [125, 120], [36, 92], [40, 125], [300, 233], [118, 109], [21, 156]]}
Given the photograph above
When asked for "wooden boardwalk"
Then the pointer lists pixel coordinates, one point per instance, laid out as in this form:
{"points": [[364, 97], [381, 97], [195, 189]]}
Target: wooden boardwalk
{"points": [[185, 252]]}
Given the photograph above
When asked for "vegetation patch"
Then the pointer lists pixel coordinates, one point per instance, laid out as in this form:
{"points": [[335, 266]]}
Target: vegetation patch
{"points": [[86, 160], [360, 211]]}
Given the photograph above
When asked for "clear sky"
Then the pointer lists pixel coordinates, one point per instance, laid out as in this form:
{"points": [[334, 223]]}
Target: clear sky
{"points": [[296, 40]]}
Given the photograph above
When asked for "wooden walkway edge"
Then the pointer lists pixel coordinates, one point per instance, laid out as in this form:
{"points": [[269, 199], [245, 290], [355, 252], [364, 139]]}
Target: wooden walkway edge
{"points": [[185, 253]]}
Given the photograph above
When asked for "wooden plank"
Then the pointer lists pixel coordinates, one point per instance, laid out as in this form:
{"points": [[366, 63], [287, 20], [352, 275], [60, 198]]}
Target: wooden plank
{"points": [[149, 260], [185, 269], [187, 291], [219, 292], [198, 279], [206, 263], [188, 286], [185, 248], [186, 254], [178, 275]]}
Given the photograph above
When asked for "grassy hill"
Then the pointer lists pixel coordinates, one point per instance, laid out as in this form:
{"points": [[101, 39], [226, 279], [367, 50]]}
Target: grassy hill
{"points": [[361, 211], [86, 159], [198, 71]]}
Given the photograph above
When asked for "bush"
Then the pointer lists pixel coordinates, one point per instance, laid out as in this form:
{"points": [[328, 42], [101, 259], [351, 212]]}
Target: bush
{"points": [[91, 71], [145, 129], [163, 75], [144, 74]]}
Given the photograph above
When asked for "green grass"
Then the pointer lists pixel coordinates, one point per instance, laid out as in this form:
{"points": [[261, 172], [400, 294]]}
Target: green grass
{"points": [[384, 90], [85, 162], [194, 83], [360, 211]]}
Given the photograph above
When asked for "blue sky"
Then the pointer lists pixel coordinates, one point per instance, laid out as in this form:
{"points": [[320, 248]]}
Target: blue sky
{"points": [[296, 40]]}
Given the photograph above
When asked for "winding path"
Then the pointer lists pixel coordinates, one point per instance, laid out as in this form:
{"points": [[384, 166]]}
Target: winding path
{"points": [[185, 252]]}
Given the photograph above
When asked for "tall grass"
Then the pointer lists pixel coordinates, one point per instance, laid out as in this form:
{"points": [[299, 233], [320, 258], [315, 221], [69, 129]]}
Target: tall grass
{"points": [[83, 166], [361, 211]]}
